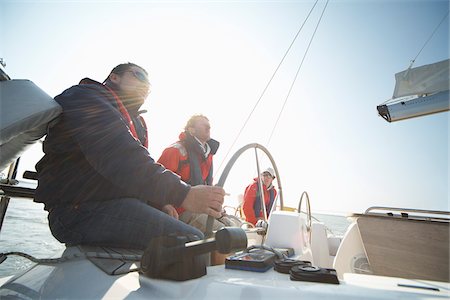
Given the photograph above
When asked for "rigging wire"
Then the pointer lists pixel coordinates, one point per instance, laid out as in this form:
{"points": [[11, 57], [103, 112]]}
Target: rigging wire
{"points": [[296, 75], [266, 87], [434, 31]]}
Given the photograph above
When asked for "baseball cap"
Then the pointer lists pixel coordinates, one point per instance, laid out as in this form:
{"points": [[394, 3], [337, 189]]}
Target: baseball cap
{"points": [[270, 171]]}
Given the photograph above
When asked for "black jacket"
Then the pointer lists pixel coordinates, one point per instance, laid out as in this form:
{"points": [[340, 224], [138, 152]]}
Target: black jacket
{"points": [[90, 155]]}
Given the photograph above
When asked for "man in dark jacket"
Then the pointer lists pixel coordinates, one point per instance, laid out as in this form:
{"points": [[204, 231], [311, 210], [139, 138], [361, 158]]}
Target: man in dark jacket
{"points": [[97, 179]]}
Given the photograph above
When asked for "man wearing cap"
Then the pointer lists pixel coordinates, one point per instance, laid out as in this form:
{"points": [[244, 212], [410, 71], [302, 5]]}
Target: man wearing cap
{"points": [[252, 208]]}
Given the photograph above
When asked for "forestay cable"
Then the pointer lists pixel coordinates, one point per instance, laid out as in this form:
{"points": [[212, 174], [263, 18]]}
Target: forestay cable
{"points": [[267, 86], [296, 75]]}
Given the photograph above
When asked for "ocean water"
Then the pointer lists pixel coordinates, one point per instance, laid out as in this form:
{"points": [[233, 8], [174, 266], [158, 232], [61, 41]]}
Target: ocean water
{"points": [[25, 229]]}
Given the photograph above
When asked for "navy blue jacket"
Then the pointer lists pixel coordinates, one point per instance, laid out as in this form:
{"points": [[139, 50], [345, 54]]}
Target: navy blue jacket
{"points": [[90, 155]]}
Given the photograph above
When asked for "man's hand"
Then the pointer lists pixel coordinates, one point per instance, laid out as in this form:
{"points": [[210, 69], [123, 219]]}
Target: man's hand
{"points": [[205, 199], [170, 210]]}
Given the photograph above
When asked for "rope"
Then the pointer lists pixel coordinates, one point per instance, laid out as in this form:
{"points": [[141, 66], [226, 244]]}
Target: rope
{"points": [[71, 257], [268, 248], [266, 87], [434, 31], [400, 99], [296, 75]]}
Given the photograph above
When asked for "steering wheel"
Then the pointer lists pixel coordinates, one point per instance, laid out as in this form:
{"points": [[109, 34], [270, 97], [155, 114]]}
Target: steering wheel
{"points": [[308, 213], [226, 171]]}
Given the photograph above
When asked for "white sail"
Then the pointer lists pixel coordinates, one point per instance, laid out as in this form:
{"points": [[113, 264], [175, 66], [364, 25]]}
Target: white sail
{"points": [[427, 79]]}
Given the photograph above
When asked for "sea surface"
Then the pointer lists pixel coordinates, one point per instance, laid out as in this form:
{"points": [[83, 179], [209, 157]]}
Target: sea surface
{"points": [[25, 229]]}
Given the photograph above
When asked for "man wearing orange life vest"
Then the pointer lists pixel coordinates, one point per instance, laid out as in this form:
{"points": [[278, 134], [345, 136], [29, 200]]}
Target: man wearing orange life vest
{"points": [[252, 197], [192, 158]]}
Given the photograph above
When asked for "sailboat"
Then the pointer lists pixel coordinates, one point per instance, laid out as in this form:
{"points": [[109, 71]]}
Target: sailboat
{"points": [[387, 253]]}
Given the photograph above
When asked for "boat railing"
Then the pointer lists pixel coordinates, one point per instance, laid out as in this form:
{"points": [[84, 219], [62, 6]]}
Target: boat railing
{"points": [[408, 213]]}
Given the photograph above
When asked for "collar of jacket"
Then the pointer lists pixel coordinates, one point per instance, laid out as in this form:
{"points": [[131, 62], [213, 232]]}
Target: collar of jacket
{"points": [[187, 138], [122, 109]]}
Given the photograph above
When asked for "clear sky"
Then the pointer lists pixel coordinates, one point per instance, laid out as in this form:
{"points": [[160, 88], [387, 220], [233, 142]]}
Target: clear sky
{"points": [[216, 57]]}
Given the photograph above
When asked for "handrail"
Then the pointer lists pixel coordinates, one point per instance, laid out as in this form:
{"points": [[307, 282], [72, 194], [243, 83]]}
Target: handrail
{"points": [[435, 212], [4, 199], [407, 213]]}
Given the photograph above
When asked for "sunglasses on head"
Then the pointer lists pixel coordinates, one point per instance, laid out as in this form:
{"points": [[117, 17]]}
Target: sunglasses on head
{"points": [[141, 76]]}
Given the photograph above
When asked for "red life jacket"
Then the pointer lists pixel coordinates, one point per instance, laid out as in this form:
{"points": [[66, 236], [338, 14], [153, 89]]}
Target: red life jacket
{"points": [[184, 159], [128, 119], [252, 201], [124, 112]]}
